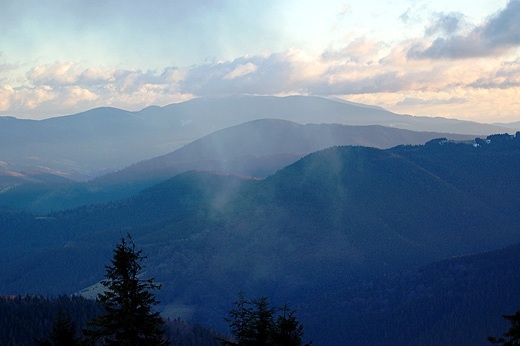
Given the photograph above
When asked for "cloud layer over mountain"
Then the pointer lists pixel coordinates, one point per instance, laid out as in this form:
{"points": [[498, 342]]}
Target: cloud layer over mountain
{"points": [[449, 60]]}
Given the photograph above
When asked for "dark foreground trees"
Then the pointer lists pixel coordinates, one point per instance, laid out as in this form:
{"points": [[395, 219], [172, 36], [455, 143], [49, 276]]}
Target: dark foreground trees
{"points": [[128, 302], [256, 323], [512, 336], [63, 333]]}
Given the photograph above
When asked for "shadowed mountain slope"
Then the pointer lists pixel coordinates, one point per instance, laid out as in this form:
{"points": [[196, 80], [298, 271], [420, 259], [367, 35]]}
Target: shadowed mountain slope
{"points": [[257, 148], [456, 302], [261, 147], [331, 220]]}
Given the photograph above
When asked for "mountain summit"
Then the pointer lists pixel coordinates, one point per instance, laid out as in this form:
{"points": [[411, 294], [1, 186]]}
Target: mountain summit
{"points": [[101, 140]]}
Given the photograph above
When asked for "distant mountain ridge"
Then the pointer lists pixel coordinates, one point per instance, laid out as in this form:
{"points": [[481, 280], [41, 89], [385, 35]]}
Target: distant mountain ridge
{"points": [[101, 140], [256, 148], [261, 147]]}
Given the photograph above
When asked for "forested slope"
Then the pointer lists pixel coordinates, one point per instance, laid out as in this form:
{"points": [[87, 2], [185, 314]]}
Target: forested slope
{"points": [[332, 220]]}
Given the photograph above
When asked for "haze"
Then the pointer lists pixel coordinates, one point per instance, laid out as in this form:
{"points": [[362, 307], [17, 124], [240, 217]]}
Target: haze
{"points": [[444, 58]]}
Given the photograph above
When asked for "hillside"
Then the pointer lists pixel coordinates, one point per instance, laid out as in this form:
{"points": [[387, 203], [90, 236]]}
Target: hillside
{"points": [[256, 148], [329, 221], [261, 147], [459, 301]]}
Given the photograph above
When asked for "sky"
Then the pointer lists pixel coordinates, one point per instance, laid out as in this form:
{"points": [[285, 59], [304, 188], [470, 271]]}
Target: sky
{"points": [[454, 59]]}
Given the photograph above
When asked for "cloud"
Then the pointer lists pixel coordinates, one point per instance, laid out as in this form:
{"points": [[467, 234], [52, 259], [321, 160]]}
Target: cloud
{"points": [[506, 76], [504, 29], [97, 53], [95, 75], [5, 93], [272, 74], [381, 82], [66, 87], [67, 74], [24, 99], [72, 96], [359, 50], [497, 36], [354, 69], [363, 70], [6, 69], [59, 73], [241, 71], [413, 101], [446, 24]]}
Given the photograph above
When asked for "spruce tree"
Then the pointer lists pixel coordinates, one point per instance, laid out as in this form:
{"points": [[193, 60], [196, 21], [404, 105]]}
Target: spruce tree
{"points": [[240, 321], [256, 323], [512, 336], [63, 333], [288, 330], [262, 322], [128, 302]]}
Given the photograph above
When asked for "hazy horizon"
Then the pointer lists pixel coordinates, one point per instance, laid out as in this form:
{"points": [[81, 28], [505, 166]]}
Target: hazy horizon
{"points": [[448, 59], [231, 97]]}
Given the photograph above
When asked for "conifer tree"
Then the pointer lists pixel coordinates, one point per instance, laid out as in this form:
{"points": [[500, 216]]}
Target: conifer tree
{"points": [[63, 333], [128, 302], [240, 319], [256, 323], [512, 336], [289, 330], [263, 322]]}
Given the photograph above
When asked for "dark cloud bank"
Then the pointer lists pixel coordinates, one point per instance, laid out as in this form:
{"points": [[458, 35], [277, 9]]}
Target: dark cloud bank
{"points": [[500, 33]]}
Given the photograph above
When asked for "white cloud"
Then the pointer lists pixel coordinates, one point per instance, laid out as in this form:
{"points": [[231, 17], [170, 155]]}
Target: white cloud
{"points": [[409, 86], [412, 101], [5, 97], [504, 76], [22, 100], [358, 50], [241, 71], [96, 75], [59, 73], [73, 96]]}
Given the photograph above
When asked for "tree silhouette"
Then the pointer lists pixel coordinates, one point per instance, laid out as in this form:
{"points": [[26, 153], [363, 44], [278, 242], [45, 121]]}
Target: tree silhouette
{"points": [[289, 330], [63, 333], [512, 336], [262, 322], [255, 323], [128, 301], [240, 321]]}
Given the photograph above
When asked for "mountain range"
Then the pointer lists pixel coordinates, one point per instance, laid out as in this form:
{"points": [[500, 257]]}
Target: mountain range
{"points": [[313, 233], [85, 145], [256, 148], [360, 218], [259, 148]]}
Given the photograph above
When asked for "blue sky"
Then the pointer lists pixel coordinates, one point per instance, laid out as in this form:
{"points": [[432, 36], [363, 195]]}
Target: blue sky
{"points": [[440, 58]]}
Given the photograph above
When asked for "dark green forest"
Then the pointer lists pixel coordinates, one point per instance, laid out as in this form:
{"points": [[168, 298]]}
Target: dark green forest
{"points": [[27, 318], [458, 301], [403, 241], [453, 302]]}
